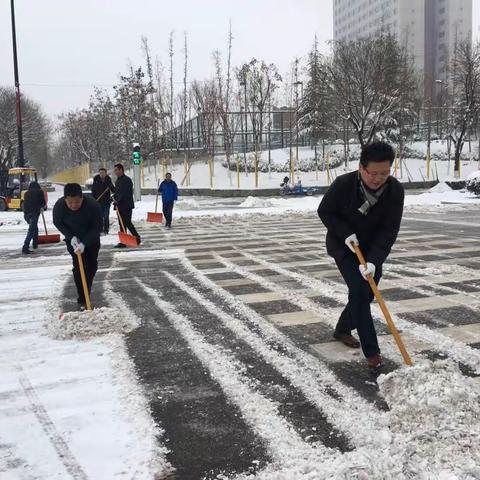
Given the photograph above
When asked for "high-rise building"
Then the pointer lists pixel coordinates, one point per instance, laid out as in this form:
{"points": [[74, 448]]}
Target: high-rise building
{"points": [[429, 29]]}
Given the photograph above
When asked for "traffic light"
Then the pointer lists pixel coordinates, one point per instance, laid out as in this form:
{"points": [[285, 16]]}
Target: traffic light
{"points": [[137, 156]]}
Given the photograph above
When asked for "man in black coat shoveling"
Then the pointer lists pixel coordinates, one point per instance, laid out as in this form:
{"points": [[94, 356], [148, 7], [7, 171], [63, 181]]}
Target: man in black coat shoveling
{"points": [[123, 201], [365, 208], [102, 189], [79, 219]]}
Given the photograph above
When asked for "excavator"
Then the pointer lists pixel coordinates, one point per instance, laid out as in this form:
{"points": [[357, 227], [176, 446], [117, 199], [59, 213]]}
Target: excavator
{"points": [[14, 183]]}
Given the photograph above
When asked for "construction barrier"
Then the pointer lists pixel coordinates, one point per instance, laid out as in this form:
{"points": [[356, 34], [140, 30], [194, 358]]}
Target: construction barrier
{"points": [[78, 174]]}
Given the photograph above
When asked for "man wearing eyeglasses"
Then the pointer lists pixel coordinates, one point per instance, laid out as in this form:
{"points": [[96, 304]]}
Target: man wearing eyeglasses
{"points": [[365, 208]]}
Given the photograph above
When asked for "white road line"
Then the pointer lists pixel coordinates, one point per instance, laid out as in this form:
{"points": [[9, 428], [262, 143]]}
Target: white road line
{"points": [[260, 412], [442, 222], [353, 415], [457, 350]]}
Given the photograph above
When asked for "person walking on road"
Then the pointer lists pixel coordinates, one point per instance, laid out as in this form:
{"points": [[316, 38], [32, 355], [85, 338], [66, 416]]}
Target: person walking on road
{"points": [[79, 219], [102, 189], [33, 205], [169, 191], [365, 208], [123, 201]]}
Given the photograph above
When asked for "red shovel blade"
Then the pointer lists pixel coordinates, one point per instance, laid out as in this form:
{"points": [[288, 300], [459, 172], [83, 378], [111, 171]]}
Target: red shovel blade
{"points": [[154, 217], [52, 238], [127, 239]]}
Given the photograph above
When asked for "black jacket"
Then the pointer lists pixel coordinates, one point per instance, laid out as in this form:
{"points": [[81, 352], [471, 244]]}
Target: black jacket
{"points": [[85, 223], [376, 231], [99, 187], [34, 199], [124, 193]]}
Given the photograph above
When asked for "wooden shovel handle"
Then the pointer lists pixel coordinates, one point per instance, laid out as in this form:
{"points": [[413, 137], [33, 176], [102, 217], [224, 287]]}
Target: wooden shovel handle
{"points": [[383, 307], [84, 281]]}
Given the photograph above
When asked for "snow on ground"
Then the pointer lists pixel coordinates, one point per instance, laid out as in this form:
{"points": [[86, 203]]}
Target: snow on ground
{"points": [[412, 169], [444, 406], [98, 321], [94, 421], [13, 227], [69, 409]]}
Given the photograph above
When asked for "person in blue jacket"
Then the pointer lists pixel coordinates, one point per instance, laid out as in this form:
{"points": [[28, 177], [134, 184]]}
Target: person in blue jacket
{"points": [[169, 191]]}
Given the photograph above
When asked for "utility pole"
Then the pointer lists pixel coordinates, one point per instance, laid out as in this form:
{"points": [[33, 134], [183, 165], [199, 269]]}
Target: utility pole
{"points": [[20, 157]]}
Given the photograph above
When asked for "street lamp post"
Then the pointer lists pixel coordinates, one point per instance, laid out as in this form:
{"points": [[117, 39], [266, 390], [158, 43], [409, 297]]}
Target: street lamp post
{"points": [[21, 157]]}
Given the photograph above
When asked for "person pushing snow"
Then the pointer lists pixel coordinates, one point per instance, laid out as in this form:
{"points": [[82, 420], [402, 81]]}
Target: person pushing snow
{"points": [[364, 207], [169, 191], [80, 220]]}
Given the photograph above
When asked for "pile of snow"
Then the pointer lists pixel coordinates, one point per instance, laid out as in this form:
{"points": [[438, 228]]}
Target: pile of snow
{"points": [[187, 204], [86, 324], [440, 187], [256, 202], [434, 414]]}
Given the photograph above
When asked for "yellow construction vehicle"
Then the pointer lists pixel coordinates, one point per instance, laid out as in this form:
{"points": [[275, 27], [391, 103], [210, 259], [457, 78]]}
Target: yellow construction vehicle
{"points": [[13, 185]]}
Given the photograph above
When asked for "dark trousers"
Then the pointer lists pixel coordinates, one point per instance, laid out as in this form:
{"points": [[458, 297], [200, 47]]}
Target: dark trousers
{"points": [[105, 216], [357, 314], [167, 208], [32, 234], [127, 222], [90, 264]]}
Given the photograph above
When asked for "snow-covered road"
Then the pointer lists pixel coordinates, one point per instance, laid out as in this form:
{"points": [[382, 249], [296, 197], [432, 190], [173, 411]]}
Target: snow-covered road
{"points": [[216, 359]]}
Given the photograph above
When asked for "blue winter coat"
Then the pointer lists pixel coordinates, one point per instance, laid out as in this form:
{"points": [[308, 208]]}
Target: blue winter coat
{"points": [[169, 191]]}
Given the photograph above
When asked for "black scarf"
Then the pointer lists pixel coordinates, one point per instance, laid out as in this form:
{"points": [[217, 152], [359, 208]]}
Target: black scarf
{"points": [[371, 197]]}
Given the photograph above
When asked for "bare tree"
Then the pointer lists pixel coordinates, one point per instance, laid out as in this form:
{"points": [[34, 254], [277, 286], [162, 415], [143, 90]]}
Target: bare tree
{"points": [[261, 81], [369, 79], [36, 128], [205, 101], [170, 54], [465, 94]]}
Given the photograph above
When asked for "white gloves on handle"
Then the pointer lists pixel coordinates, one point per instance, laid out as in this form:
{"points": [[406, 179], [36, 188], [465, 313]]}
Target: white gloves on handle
{"points": [[77, 245], [366, 270], [351, 239]]}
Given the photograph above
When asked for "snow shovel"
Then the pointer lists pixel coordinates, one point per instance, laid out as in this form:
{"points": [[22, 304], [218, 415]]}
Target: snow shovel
{"points": [[155, 217], [84, 281], [102, 194], [383, 307], [123, 236], [52, 238]]}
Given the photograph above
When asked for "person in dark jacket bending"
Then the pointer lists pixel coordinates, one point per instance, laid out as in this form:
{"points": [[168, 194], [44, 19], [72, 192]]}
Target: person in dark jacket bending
{"points": [[102, 189], [169, 191], [79, 219], [33, 205], [124, 201], [365, 208]]}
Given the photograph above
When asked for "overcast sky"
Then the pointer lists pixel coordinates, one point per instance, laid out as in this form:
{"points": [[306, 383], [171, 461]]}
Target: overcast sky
{"points": [[67, 46]]}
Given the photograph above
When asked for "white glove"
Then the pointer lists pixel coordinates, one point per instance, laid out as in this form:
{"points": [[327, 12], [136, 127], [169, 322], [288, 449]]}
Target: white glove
{"points": [[351, 239], [366, 270], [77, 245]]}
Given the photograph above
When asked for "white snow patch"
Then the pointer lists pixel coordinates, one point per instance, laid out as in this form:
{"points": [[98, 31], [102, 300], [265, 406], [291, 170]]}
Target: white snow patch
{"points": [[434, 418], [90, 323], [441, 187], [256, 202], [187, 204]]}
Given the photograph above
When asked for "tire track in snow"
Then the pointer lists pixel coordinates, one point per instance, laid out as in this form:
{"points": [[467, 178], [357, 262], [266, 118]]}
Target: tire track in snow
{"points": [[65, 455], [260, 412], [439, 342]]}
